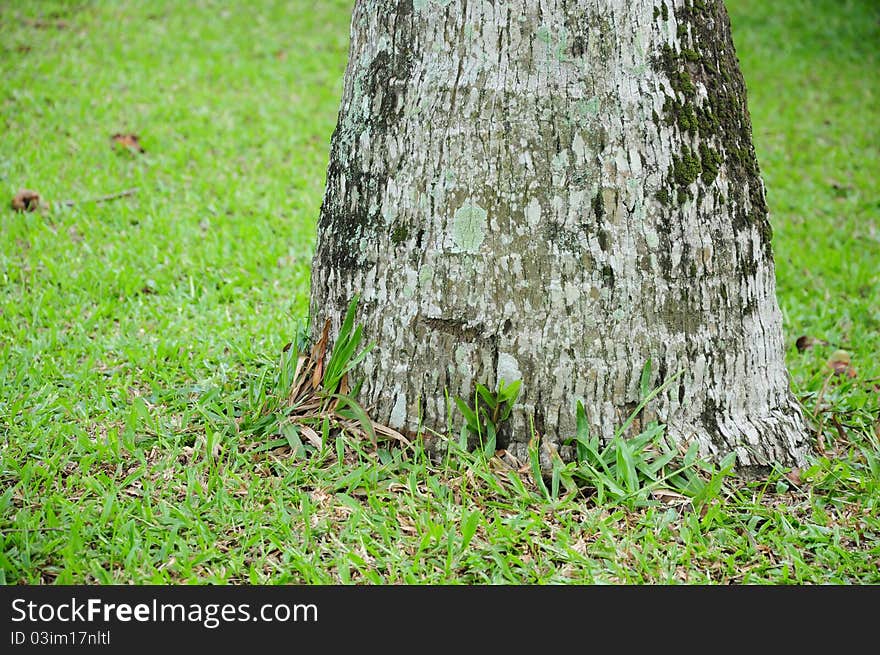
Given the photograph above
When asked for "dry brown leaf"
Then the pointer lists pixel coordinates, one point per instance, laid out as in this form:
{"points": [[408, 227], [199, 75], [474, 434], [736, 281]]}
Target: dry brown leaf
{"points": [[312, 436], [390, 432], [311, 405], [407, 527], [499, 465], [310, 408], [840, 189], [841, 433], [669, 497], [794, 476], [45, 24], [129, 141], [318, 352], [508, 458], [820, 443], [298, 378], [840, 363], [186, 455], [168, 564], [26, 200], [806, 342]]}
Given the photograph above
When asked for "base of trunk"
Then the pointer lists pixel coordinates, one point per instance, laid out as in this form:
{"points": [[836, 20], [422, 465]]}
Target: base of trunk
{"points": [[761, 443]]}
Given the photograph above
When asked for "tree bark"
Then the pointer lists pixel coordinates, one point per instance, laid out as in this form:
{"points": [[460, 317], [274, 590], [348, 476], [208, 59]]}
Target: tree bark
{"points": [[556, 191]]}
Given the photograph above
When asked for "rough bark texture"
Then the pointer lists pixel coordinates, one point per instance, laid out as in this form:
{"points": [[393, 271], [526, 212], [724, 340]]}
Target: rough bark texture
{"points": [[556, 191]]}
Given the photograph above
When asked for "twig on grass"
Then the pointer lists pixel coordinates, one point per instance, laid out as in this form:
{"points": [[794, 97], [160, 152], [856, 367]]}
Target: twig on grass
{"points": [[109, 196]]}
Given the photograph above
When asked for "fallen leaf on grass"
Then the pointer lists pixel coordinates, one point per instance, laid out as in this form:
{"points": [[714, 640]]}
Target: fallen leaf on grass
{"points": [[669, 497], [794, 476], [839, 363], [202, 446], [841, 434], [311, 436], [839, 189], [46, 24], [386, 431], [806, 342], [167, 565], [507, 459], [129, 141], [26, 200]]}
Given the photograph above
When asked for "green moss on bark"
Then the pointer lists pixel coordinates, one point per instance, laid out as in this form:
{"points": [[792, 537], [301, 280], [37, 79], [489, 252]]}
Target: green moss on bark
{"points": [[720, 120], [686, 168], [599, 206], [685, 85], [399, 234], [724, 123], [710, 161]]}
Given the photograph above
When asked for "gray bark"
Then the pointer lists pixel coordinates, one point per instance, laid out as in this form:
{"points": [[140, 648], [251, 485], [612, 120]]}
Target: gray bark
{"points": [[555, 191]]}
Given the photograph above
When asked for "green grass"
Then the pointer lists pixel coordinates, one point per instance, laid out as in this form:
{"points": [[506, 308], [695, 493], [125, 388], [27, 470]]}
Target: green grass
{"points": [[135, 334]]}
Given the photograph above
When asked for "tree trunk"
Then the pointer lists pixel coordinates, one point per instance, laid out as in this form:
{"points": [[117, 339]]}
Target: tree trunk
{"points": [[556, 191]]}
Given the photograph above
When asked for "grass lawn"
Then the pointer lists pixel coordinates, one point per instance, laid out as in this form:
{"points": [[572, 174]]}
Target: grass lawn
{"points": [[135, 334]]}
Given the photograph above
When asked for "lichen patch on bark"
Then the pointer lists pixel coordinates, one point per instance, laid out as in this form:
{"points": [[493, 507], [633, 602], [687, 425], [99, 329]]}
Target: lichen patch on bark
{"points": [[469, 228]]}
